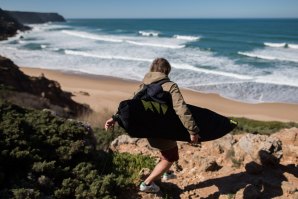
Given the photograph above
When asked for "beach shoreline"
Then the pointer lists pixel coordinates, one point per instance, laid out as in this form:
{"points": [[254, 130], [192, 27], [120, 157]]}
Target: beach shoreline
{"points": [[104, 93]]}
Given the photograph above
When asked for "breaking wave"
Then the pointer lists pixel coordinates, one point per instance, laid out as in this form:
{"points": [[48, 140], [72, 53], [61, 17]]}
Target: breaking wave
{"points": [[268, 56], [281, 45], [86, 35], [275, 45], [149, 33], [187, 38], [155, 44], [86, 54]]}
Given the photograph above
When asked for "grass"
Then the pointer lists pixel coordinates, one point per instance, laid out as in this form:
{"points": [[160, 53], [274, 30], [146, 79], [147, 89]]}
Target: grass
{"points": [[260, 127], [97, 121]]}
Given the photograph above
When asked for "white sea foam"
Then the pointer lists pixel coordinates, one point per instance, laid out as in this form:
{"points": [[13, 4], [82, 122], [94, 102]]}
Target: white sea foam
{"points": [[188, 38], [43, 46], [278, 78], [86, 35], [253, 92], [21, 41], [160, 43], [183, 66], [272, 54], [155, 44], [55, 49], [213, 72], [149, 33], [294, 46], [87, 54], [130, 56], [281, 45], [257, 56], [275, 45]]}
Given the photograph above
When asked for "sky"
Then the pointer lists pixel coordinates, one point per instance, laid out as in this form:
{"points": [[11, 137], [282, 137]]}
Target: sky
{"points": [[159, 8]]}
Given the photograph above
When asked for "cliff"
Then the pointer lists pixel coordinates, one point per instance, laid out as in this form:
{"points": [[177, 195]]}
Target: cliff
{"points": [[35, 17], [9, 26], [36, 92]]}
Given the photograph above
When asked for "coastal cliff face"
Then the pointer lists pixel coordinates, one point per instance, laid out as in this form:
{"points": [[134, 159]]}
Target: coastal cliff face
{"points": [[35, 17], [9, 25], [36, 92]]}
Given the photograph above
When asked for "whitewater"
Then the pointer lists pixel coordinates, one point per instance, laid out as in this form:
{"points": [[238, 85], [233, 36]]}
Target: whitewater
{"points": [[252, 67]]}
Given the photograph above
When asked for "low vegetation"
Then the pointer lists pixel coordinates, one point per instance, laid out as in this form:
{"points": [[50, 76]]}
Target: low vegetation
{"points": [[44, 156], [260, 127]]}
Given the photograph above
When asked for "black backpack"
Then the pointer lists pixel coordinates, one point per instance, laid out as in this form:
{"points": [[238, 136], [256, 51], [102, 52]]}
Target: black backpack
{"points": [[154, 92]]}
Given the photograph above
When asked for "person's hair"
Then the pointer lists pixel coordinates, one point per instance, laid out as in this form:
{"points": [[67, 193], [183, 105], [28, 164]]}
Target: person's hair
{"points": [[160, 65]]}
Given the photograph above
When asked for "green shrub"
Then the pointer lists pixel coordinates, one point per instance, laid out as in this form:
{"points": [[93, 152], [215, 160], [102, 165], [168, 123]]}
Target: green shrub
{"points": [[42, 156], [25, 193], [260, 127], [130, 165], [104, 138]]}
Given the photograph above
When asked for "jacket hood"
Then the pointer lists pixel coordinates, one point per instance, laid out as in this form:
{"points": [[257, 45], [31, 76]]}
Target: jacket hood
{"points": [[152, 77]]}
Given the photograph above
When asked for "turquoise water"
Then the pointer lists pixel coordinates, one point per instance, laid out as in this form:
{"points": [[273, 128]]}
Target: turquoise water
{"points": [[251, 60]]}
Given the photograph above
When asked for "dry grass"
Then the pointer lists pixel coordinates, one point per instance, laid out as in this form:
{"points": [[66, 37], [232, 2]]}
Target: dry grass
{"points": [[96, 119]]}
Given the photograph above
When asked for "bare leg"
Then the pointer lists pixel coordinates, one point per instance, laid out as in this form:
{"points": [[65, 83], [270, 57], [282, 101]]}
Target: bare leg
{"points": [[158, 170]]}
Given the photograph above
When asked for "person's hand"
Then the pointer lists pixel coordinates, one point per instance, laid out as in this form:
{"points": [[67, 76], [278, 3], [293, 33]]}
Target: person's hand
{"points": [[109, 123], [194, 138]]}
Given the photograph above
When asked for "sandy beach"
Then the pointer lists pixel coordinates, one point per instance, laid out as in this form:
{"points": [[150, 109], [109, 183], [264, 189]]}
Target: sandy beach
{"points": [[104, 93]]}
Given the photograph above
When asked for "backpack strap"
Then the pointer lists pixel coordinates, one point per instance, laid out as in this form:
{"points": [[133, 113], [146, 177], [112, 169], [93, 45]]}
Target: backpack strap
{"points": [[161, 82], [153, 91]]}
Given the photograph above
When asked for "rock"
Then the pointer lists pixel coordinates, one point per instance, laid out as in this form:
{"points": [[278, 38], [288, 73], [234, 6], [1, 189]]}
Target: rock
{"points": [[11, 76], [208, 164], [123, 139], [225, 143], [289, 188], [289, 138], [144, 173], [206, 192], [253, 168], [261, 148], [9, 26], [177, 167], [268, 159], [250, 179], [249, 192], [35, 17]]}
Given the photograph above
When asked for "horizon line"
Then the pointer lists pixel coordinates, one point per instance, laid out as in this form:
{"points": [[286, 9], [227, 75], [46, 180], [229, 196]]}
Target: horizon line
{"points": [[181, 18]]}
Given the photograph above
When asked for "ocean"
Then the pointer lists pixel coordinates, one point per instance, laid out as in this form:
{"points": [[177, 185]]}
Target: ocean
{"points": [[249, 60]]}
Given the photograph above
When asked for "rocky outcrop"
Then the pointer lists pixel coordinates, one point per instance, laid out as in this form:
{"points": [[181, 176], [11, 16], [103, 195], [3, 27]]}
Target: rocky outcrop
{"points": [[9, 26], [35, 17], [290, 143], [261, 148], [123, 139], [234, 166], [41, 87]]}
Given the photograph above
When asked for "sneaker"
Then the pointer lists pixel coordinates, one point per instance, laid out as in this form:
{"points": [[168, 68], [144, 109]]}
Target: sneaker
{"points": [[152, 188], [168, 176]]}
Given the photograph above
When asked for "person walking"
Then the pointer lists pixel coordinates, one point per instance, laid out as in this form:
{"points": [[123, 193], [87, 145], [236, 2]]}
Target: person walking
{"points": [[159, 71]]}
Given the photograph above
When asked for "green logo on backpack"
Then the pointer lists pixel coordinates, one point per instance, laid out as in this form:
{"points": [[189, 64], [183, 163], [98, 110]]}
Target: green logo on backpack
{"points": [[160, 108]]}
